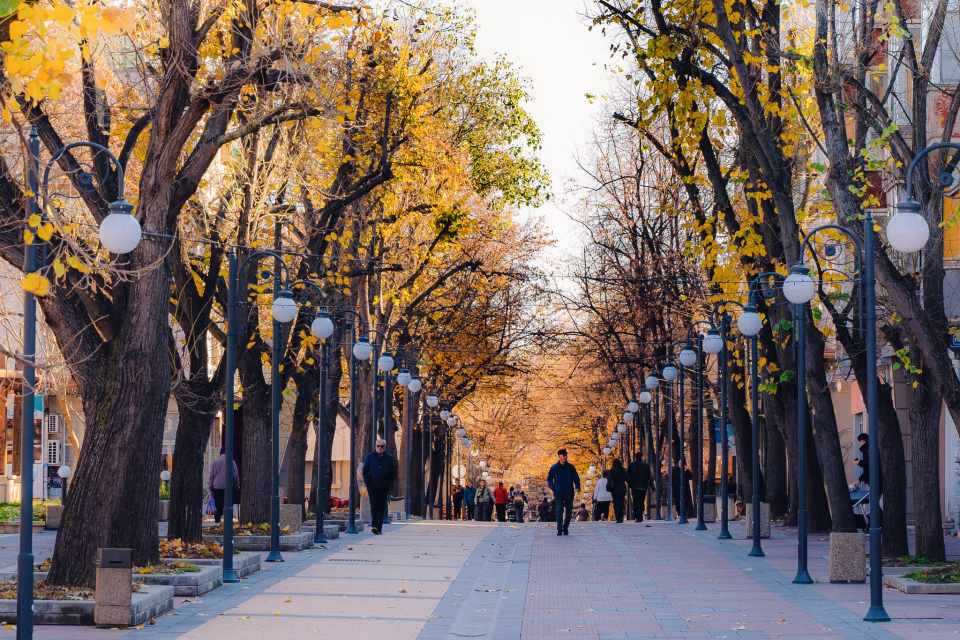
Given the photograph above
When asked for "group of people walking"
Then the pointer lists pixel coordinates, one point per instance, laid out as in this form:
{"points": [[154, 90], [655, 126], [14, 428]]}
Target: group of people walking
{"points": [[481, 502]]}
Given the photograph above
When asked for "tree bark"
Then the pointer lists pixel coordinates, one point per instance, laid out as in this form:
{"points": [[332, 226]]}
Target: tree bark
{"points": [[925, 412], [304, 410], [188, 487], [113, 498], [774, 462]]}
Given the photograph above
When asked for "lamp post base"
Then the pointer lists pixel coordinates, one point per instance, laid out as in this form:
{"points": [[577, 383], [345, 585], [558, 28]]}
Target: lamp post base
{"points": [[724, 535], [352, 529], [320, 538], [757, 552], [230, 576], [274, 556], [876, 614], [803, 577], [700, 527], [683, 520]]}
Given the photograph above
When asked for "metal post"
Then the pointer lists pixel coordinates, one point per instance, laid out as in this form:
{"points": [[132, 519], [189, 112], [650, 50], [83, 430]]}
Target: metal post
{"points": [[655, 473], [25, 557], [670, 418], [756, 551], [425, 478], [876, 612], [373, 426], [320, 471], [352, 519], [430, 496], [799, 320], [700, 524], [682, 519], [656, 417], [724, 533], [233, 334], [276, 390], [407, 448], [386, 423]]}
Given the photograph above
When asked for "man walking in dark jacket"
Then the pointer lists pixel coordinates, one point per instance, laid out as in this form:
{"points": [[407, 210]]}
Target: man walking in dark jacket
{"points": [[379, 472], [564, 480], [639, 472]]}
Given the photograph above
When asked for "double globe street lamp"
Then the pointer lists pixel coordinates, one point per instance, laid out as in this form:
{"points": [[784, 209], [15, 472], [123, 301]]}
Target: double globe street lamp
{"points": [[120, 233]]}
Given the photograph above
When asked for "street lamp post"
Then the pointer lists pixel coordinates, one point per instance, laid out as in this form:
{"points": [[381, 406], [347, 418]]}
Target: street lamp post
{"points": [[645, 398], [120, 233], [322, 328], [693, 355], [749, 324]]}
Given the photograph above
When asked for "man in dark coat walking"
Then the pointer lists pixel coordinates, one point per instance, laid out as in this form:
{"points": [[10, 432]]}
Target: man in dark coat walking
{"points": [[639, 472], [564, 480], [379, 472]]}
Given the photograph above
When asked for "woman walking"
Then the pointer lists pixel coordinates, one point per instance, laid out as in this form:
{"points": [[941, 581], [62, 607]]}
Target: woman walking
{"points": [[602, 499], [617, 481]]}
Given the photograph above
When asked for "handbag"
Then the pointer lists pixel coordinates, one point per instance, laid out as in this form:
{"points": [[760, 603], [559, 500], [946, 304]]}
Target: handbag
{"points": [[211, 509]]}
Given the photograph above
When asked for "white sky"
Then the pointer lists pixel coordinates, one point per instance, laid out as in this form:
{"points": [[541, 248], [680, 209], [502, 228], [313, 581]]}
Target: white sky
{"points": [[549, 41]]}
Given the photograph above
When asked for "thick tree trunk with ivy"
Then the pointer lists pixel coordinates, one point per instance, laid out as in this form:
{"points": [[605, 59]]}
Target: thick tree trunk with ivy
{"points": [[774, 461], [926, 409], [304, 413]]}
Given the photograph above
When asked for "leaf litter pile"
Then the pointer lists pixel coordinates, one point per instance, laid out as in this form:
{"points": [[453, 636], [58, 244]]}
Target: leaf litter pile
{"points": [[248, 529], [190, 550], [44, 591]]}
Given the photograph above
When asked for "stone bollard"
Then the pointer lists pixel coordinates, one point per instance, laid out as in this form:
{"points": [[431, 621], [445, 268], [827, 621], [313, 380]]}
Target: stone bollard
{"points": [[764, 520], [163, 513], [709, 508], [291, 515], [114, 588], [848, 560], [54, 515]]}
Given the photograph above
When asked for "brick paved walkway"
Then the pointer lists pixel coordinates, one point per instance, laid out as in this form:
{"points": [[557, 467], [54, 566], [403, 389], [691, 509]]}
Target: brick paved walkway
{"points": [[457, 580]]}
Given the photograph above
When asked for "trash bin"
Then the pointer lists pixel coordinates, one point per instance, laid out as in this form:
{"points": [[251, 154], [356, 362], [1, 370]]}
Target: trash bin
{"points": [[114, 588]]}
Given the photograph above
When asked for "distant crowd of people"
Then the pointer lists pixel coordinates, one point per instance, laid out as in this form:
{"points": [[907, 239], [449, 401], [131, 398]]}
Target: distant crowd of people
{"points": [[480, 502]]}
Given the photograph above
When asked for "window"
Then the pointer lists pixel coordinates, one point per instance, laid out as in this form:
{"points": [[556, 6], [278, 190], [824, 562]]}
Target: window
{"points": [[950, 49]]}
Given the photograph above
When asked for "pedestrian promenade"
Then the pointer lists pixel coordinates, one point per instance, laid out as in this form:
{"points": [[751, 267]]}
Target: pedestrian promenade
{"points": [[434, 580]]}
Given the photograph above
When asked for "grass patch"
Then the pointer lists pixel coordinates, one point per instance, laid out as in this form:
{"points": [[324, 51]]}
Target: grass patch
{"points": [[168, 569], [911, 561], [949, 574]]}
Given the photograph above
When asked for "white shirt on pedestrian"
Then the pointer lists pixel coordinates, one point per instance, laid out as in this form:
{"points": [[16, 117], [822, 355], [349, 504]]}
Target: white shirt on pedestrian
{"points": [[600, 494]]}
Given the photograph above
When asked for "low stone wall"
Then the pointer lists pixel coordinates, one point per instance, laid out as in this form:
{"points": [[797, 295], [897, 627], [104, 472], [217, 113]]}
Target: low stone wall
{"points": [[149, 602], [295, 542], [187, 584], [243, 563]]}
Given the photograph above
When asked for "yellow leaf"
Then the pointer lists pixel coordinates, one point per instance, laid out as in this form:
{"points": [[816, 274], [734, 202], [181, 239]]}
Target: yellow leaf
{"points": [[45, 232], [58, 267], [27, 236], [6, 115], [34, 220], [63, 14], [36, 284]]}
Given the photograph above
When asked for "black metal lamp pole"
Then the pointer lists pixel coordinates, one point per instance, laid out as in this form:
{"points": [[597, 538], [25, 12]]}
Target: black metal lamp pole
{"points": [[724, 532], [32, 264], [321, 483], [700, 524]]}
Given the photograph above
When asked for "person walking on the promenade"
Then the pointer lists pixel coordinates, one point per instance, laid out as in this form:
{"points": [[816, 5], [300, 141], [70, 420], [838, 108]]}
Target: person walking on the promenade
{"points": [[457, 495], [543, 509], [469, 499], [639, 472], [518, 500], [617, 481], [218, 482], [602, 498], [379, 472], [564, 480], [500, 497], [484, 502], [582, 514]]}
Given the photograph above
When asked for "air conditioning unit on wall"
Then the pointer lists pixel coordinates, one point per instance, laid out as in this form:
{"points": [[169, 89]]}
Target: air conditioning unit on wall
{"points": [[53, 423], [54, 452]]}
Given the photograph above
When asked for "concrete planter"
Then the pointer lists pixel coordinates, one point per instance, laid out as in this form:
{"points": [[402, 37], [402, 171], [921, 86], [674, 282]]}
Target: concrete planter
{"points": [[848, 561], [899, 571], [243, 563], [149, 602], [291, 515], [54, 515], [764, 520], [163, 513], [912, 586], [13, 526], [295, 542], [331, 531], [187, 584], [709, 512]]}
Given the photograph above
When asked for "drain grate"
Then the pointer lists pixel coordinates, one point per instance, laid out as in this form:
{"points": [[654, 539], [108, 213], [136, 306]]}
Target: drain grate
{"points": [[350, 560]]}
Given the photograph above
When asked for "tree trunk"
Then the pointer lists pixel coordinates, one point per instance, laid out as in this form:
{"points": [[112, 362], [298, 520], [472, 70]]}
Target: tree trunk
{"points": [[188, 487], [332, 410], [774, 462], [256, 482], [742, 426], [925, 412], [823, 427], [114, 494], [710, 488], [303, 412], [818, 505]]}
